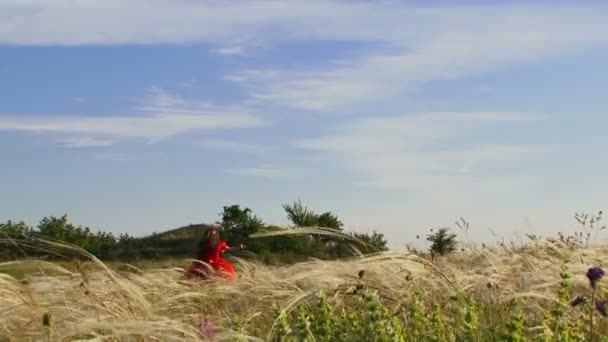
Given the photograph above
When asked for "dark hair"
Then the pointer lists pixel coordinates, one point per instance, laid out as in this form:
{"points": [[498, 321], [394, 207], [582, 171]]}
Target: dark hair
{"points": [[204, 241]]}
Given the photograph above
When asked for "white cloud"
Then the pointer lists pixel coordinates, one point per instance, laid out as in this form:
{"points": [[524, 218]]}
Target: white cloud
{"points": [[456, 42], [253, 22], [164, 21], [238, 147], [426, 152], [230, 50], [267, 171], [85, 141], [418, 43], [161, 116], [380, 76]]}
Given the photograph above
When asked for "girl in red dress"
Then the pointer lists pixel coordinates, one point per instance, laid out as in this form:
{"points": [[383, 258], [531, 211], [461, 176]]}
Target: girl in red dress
{"points": [[210, 252]]}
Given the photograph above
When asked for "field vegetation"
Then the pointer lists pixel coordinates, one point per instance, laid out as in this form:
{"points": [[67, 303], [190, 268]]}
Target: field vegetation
{"points": [[543, 289]]}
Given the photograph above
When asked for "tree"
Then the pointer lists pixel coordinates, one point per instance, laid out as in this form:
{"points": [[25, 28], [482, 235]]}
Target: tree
{"points": [[376, 241], [15, 230], [330, 246], [239, 223], [100, 244], [329, 220], [300, 216], [442, 242]]}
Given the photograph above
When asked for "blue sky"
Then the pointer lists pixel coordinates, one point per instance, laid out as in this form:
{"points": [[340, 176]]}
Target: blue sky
{"points": [[139, 116]]}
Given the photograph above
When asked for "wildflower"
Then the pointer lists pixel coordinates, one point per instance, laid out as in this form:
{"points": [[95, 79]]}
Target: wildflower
{"points": [[205, 327], [594, 275], [601, 307], [578, 301]]}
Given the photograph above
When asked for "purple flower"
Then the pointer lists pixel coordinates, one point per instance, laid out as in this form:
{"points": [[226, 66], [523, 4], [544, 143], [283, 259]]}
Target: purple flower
{"points": [[600, 305], [578, 301], [594, 275], [205, 327]]}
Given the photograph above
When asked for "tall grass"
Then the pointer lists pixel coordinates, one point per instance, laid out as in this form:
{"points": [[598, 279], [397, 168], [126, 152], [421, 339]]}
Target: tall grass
{"points": [[479, 294]]}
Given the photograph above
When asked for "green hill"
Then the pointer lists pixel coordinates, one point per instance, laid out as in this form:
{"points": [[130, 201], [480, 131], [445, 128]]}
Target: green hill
{"points": [[238, 225], [178, 242]]}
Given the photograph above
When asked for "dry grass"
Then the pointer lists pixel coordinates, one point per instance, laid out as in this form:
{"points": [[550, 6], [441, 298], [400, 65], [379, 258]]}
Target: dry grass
{"points": [[157, 305]]}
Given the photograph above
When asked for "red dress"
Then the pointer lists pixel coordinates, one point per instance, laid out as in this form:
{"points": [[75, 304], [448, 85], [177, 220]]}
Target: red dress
{"points": [[213, 257]]}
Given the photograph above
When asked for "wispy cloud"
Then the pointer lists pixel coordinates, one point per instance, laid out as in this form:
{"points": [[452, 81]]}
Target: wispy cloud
{"points": [[251, 22], [161, 116], [459, 42], [165, 21], [230, 50], [244, 45], [267, 171], [424, 152], [456, 40], [237, 147], [85, 141]]}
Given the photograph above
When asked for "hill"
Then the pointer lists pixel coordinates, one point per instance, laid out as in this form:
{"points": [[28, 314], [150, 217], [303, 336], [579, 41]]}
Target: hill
{"points": [[238, 226], [178, 242]]}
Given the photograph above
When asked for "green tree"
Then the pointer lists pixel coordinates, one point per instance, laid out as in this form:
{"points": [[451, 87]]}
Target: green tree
{"points": [[301, 216], [329, 220], [14, 230], [238, 224], [100, 244], [442, 242], [9, 233], [375, 242], [327, 246]]}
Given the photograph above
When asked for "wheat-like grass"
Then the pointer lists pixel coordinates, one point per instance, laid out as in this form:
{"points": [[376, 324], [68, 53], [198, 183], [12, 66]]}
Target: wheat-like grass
{"points": [[159, 305]]}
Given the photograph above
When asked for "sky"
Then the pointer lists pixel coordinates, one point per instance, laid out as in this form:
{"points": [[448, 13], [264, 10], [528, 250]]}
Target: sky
{"points": [[399, 116]]}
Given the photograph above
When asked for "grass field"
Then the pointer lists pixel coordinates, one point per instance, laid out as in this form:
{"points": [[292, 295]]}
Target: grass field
{"points": [[479, 294]]}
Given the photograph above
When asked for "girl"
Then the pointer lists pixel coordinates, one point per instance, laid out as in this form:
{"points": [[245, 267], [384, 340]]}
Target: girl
{"points": [[210, 250]]}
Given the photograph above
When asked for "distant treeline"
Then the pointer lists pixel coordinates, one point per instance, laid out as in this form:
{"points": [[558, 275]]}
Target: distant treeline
{"points": [[18, 240]]}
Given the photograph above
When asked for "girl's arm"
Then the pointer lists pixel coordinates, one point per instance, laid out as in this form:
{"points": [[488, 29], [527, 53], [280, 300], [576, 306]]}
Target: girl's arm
{"points": [[240, 248]]}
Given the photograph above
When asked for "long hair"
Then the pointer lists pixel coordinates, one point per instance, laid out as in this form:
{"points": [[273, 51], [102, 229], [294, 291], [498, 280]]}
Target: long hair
{"points": [[204, 241]]}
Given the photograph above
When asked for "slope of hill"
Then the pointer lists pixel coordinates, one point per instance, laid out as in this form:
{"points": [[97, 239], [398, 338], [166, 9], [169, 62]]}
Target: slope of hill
{"points": [[178, 242], [190, 232]]}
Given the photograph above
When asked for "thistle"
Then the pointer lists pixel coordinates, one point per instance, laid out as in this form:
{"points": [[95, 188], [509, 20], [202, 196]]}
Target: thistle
{"points": [[601, 307], [595, 274]]}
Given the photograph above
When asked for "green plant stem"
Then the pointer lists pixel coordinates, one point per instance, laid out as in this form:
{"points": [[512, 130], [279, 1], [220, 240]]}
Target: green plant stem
{"points": [[591, 315]]}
